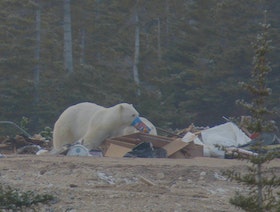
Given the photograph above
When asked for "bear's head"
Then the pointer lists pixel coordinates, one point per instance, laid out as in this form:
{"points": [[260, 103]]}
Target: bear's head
{"points": [[127, 113]]}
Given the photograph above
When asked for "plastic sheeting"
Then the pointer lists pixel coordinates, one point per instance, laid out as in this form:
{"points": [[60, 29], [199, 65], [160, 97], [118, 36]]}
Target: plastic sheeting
{"points": [[225, 135]]}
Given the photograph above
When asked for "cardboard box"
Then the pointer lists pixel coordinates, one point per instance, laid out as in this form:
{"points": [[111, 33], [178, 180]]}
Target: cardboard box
{"points": [[175, 148]]}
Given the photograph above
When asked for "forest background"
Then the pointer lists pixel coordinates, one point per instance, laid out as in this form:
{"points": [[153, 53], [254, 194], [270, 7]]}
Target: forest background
{"points": [[177, 61]]}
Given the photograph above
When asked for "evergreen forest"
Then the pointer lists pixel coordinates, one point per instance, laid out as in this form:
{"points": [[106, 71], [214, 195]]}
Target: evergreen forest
{"points": [[177, 61]]}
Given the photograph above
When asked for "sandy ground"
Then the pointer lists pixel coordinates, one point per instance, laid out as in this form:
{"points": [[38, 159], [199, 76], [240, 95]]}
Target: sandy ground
{"points": [[125, 184]]}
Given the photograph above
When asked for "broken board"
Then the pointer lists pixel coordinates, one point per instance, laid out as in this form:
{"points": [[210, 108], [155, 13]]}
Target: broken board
{"points": [[174, 146], [115, 150]]}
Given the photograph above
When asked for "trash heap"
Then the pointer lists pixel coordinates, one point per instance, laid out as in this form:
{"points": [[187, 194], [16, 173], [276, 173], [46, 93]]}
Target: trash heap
{"points": [[22, 144], [222, 141]]}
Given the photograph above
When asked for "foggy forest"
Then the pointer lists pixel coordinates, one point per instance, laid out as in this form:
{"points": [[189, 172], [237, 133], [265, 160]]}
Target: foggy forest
{"points": [[177, 61]]}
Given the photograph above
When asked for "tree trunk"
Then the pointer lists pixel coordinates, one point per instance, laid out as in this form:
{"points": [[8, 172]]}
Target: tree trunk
{"points": [[68, 59], [260, 186], [82, 46], [159, 41], [37, 51], [167, 11], [136, 52], [36, 71]]}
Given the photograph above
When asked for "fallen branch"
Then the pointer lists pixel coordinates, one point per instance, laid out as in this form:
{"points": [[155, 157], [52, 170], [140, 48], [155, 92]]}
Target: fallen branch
{"points": [[18, 127]]}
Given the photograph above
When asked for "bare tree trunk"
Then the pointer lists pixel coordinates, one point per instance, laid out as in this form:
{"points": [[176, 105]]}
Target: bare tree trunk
{"points": [[37, 62], [136, 51], [82, 46], [167, 11], [37, 51], [97, 20], [260, 186], [68, 59], [159, 42]]}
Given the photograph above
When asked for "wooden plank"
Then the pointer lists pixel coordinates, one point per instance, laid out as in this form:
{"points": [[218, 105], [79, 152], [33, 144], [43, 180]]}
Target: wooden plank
{"points": [[155, 137], [133, 135], [5, 145], [174, 146], [120, 143], [128, 140], [178, 155], [136, 138], [193, 150], [141, 136], [116, 150]]}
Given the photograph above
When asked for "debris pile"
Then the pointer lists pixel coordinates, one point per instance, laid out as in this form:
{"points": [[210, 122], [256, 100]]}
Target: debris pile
{"points": [[21, 144], [222, 141], [145, 145]]}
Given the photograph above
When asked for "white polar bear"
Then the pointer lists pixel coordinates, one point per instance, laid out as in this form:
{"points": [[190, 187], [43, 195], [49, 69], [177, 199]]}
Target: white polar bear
{"points": [[91, 124]]}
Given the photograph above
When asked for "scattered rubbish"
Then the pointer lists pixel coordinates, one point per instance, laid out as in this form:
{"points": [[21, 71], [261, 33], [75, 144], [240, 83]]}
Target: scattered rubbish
{"points": [[42, 151], [96, 153], [108, 179], [219, 177], [145, 145], [140, 125], [73, 185], [224, 135], [29, 149], [146, 150], [264, 139], [179, 143], [222, 141], [145, 180], [78, 150], [233, 152], [21, 144]]}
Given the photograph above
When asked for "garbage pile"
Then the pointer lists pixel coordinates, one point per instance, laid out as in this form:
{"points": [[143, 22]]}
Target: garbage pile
{"points": [[222, 141], [22, 144]]}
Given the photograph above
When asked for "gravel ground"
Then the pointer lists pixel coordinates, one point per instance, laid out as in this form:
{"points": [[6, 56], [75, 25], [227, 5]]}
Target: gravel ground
{"points": [[125, 184]]}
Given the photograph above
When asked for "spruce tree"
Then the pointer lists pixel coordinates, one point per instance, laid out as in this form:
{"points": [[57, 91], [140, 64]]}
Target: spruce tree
{"points": [[259, 180]]}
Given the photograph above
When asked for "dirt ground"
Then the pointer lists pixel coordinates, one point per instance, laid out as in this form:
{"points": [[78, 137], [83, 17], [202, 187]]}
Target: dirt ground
{"points": [[125, 184]]}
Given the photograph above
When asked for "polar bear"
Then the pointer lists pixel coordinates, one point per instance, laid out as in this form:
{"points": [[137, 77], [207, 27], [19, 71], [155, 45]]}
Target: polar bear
{"points": [[90, 124]]}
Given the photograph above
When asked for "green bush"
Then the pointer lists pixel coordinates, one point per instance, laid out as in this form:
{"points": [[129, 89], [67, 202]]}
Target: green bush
{"points": [[13, 199]]}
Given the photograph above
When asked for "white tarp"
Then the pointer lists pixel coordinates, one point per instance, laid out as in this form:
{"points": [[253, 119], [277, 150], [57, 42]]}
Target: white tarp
{"points": [[225, 135]]}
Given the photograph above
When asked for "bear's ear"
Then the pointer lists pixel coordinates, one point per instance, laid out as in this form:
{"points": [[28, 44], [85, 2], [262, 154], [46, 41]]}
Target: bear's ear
{"points": [[121, 107]]}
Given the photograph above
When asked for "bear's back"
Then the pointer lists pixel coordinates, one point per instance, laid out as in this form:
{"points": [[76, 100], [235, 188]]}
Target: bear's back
{"points": [[77, 117], [83, 112]]}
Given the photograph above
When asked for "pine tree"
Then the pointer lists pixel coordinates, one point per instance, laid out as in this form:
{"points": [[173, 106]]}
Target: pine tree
{"points": [[259, 180], [257, 86]]}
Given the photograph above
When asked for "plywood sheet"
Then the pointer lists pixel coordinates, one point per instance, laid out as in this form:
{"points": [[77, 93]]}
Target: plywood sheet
{"points": [[115, 150], [174, 146]]}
